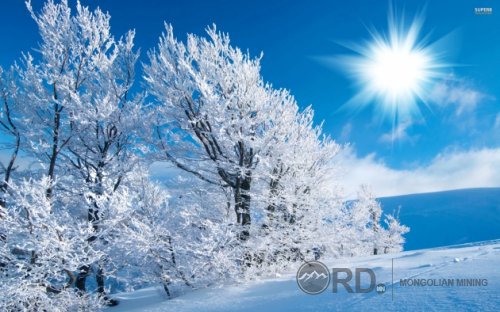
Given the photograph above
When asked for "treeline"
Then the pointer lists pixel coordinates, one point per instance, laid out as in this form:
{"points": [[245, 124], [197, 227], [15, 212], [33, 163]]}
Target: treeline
{"points": [[257, 187]]}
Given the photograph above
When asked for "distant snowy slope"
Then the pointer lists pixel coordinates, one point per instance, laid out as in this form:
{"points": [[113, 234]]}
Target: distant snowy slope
{"points": [[478, 261], [448, 218]]}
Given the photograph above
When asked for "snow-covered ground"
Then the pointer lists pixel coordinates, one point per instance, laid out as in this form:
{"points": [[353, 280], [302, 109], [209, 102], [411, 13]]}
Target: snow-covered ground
{"points": [[468, 261]]}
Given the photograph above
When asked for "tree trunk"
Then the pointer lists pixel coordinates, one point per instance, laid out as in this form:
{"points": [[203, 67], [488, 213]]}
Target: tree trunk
{"points": [[242, 200], [99, 277], [55, 145], [82, 277], [93, 218], [271, 208], [375, 219]]}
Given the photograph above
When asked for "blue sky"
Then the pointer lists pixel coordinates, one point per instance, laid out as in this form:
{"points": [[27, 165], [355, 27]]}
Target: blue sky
{"points": [[461, 120]]}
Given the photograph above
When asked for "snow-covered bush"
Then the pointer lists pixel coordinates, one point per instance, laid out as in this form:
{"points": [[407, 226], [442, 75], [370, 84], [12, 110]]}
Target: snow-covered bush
{"points": [[41, 250], [151, 238]]}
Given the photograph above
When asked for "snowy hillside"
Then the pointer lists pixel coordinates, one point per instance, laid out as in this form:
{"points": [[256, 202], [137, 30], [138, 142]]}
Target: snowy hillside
{"points": [[468, 215], [468, 261]]}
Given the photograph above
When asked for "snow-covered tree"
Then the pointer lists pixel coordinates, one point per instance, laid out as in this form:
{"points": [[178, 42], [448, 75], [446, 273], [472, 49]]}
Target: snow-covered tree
{"points": [[364, 232], [216, 115], [80, 70], [394, 239], [106, 122], [81, 119], [218, 120], [363, 229], [301, 199]]}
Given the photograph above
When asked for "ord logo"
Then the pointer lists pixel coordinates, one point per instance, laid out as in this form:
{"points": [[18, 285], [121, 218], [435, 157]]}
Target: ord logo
{"points": [[314, 278]]}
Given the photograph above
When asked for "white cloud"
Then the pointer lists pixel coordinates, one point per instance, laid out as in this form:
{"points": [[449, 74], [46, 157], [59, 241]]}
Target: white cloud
{"points": [[457, 93], [449, 170], [400, 133], [496, 126]]}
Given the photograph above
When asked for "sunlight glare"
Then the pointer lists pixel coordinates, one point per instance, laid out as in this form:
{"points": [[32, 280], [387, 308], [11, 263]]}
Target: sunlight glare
{"points": [[394, 71]]}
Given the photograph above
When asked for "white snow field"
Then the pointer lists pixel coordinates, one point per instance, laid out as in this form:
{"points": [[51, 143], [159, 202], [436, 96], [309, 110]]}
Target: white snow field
{"points": [[475, 263]]}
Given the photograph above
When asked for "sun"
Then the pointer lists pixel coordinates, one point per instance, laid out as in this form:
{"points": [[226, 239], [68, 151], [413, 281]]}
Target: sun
{"points": [[397, 71], [394, 71]]}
